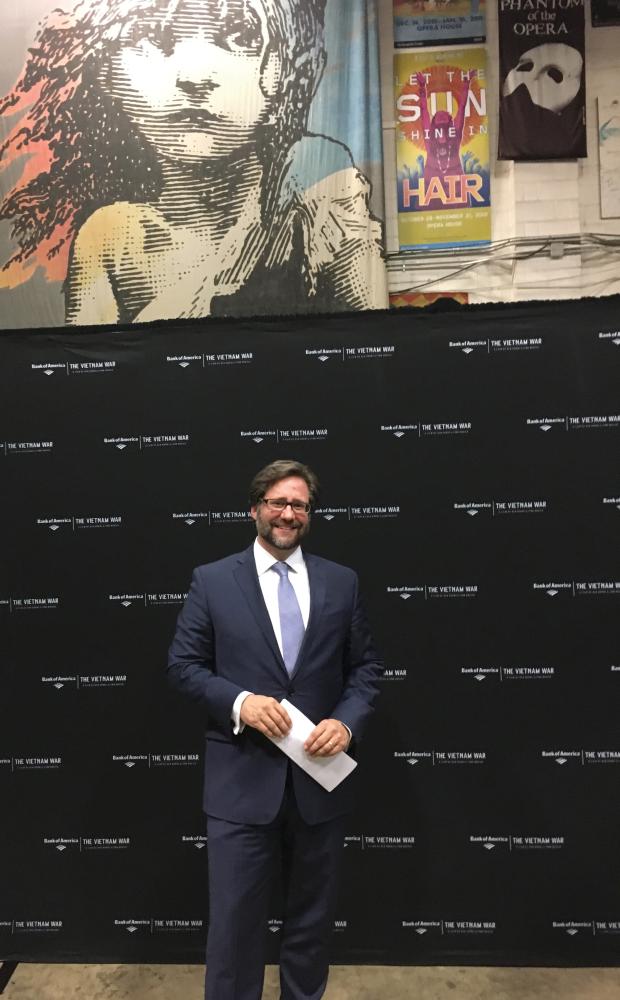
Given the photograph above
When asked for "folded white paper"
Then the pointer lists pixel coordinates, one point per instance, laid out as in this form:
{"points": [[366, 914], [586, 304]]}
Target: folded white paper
{"points": [[328, 771]]}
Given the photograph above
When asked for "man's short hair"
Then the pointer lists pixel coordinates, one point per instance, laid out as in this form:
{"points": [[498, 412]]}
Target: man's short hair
{"points": [[282, 468]]}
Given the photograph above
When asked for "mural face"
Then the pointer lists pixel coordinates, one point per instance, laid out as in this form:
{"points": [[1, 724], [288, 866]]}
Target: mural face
{"points": [[173, 75], [165, 167]]}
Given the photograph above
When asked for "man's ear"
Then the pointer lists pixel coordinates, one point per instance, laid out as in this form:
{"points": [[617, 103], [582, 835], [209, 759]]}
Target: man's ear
{"points": [[253, 513]]}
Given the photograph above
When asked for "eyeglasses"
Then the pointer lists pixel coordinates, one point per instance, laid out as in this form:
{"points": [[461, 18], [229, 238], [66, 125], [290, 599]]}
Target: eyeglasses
{"points": [[280, 503]]}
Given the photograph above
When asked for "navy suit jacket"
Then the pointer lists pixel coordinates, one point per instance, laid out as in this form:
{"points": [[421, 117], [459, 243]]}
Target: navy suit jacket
{"points": [[225, 643]]}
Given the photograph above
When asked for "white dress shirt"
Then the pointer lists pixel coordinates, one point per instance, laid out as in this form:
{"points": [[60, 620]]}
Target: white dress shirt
{"points": [[269, 581]]}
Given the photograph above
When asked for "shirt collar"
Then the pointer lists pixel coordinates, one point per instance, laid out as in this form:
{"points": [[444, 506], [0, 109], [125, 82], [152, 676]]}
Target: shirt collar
{"points": [[264, 560]]}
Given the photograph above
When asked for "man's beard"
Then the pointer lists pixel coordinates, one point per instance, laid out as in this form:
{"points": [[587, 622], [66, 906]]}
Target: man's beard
{"points": [[266, 531]]}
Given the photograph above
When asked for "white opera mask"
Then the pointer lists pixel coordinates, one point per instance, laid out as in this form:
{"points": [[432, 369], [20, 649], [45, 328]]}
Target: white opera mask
{"points": [[552, 74]]}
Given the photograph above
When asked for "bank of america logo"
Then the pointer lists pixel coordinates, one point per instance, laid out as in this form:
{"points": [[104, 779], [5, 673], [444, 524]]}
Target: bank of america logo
{"points": [[49, 367], [574, 927], [121, 442], [407, 591], [323, 354], [400, 430], [468, 346], [563, 757], [259, 434], [611, 335], [545, 424], [190, 517], [132, 924], [423, 927], [130, 760], [552, 588]]}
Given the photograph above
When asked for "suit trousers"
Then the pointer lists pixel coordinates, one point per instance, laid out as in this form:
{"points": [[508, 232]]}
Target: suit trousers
{"points": [[246, 862]]}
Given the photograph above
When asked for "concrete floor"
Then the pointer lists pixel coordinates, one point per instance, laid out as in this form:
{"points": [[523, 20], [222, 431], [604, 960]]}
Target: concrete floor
{"points": [[185, 982]]}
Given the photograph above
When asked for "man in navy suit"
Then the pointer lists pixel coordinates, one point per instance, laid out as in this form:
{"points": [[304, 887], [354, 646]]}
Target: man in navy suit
{"points": [[267, 624]]}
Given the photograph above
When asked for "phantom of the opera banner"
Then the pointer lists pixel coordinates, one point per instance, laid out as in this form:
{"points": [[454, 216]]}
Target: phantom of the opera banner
{"points": [[433, 22], [162, 159], [542, 114], [442, 148]]}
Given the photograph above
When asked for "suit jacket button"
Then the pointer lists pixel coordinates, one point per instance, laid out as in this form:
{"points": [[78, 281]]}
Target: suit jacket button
{"points": [[291, 691]]}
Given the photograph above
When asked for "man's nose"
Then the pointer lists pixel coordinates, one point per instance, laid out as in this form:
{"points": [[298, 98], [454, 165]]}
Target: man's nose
{"points": [[288, 513]]}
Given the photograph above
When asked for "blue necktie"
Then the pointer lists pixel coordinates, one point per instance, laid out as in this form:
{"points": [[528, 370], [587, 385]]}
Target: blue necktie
{"points": [[291, 622]]}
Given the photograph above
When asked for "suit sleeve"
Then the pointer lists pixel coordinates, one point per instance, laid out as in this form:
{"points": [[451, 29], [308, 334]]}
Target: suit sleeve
{"points": [[191, 658], [363, 669]]}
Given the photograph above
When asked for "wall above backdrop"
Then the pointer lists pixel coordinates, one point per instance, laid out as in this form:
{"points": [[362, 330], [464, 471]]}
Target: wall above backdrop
{"points": [[163, 159], [609, 154]]}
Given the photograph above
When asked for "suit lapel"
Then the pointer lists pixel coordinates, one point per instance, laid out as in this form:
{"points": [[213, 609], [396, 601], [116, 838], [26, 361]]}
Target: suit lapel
{"points": [[247, 578], [318, 590]]}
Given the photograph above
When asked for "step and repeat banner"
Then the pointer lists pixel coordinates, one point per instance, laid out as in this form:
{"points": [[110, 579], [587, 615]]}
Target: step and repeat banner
{"points": [[470, 474]]}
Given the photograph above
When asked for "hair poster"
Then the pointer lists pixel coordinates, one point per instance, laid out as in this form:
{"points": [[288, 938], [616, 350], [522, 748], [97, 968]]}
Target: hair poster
{"points": [[442, 148]]}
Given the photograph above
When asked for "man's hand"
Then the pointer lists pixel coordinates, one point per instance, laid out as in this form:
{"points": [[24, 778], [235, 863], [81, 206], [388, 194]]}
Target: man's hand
{"points": [[327, 739], [266, 715]]}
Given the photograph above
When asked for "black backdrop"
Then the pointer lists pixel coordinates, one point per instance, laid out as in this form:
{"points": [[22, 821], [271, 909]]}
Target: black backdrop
{"points": [[470, 470]]}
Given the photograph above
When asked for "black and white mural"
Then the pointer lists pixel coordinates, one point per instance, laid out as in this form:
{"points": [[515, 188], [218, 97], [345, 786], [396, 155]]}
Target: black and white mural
{"points": [[162, 159]]}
